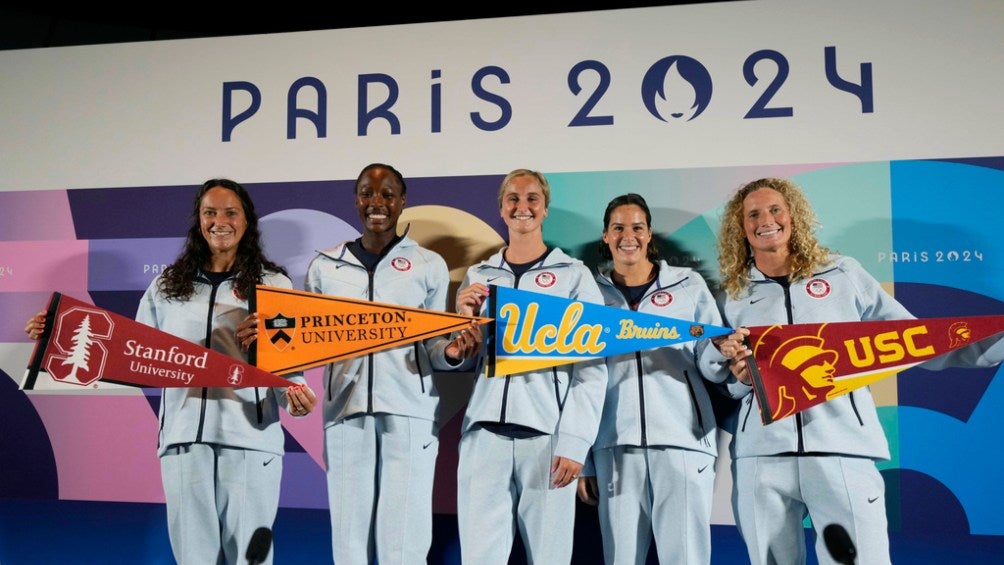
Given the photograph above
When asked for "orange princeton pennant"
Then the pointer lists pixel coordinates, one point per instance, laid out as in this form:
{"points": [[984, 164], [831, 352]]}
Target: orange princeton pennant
{"points": [[298, 330], [798, 366]]}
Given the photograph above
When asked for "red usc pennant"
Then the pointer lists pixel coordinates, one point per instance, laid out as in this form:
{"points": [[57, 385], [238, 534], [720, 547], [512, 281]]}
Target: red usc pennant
{"points": [[84, 344], [801, 365]]}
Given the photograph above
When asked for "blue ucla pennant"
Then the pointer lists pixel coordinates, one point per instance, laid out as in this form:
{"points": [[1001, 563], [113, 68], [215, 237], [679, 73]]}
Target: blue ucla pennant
{"points": [[534, 330]]}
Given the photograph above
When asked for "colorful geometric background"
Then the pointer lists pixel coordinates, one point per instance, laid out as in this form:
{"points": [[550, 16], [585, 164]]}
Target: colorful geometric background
{"points": [[79, 478]]}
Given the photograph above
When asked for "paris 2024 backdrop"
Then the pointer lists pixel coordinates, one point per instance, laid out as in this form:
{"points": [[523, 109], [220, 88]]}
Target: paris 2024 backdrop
{"points": [[888, 115]]}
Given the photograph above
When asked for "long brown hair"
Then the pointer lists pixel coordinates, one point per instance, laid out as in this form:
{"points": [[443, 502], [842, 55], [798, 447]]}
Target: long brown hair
{"points": [[628, 199], [178, 280]]}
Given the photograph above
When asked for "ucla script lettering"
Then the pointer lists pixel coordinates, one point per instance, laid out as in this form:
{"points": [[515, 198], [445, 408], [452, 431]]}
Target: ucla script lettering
{"points": [[630, 330], [524, 336]]}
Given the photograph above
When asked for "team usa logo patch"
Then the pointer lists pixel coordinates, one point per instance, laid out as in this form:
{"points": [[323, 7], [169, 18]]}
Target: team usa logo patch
{"points": [[662, 299], [401, 264], [545, 279], [817, 288]]}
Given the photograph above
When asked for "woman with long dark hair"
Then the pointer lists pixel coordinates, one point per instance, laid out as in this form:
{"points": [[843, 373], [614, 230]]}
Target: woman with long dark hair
{"points": [[220, 449], [652, 467]]}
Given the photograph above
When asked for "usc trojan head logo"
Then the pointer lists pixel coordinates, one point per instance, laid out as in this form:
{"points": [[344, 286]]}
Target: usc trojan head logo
{"points": [[811, 365], [79, 337], [958, 334], [805, 356], [280, 330]]}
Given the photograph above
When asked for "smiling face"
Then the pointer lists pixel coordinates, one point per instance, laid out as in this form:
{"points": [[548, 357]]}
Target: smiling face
{"points": [[379, 201], [222, 220], [523, 206], [627, 235], [767, 221]]}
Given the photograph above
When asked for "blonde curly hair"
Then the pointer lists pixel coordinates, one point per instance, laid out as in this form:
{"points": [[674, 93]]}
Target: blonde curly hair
{"points": [[734, 254]]}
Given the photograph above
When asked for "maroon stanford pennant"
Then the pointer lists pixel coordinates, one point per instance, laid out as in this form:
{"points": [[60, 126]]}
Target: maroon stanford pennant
{"points": [[83, 344]]}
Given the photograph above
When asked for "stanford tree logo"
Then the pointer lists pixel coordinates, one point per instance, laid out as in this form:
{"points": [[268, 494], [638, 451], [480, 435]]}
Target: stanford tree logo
{"points": [[80, 335]]}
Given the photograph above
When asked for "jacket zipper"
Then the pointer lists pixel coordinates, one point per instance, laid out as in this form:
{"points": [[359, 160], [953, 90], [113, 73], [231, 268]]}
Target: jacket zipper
{"points": [[209, 345], [418, 362], [641, 400], [693, 400], [557, 388], [369, 357]]}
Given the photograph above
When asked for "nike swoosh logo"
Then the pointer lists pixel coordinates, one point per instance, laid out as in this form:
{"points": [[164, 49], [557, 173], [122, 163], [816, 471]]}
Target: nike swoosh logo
{"points": [[871, 500], [701, 470], [755, 300], [426, 446], [492, 279], [265, 463]]}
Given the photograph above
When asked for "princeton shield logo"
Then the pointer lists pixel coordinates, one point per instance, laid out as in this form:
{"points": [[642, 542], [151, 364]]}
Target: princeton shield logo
{"points": [[280, 330]]}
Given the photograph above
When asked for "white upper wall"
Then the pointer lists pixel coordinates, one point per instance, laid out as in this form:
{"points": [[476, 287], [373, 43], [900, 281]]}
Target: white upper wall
{"points": [[151, 113]]}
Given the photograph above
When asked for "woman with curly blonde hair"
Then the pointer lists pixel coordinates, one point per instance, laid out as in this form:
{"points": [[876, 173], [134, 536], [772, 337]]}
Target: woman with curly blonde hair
{"points": [[734, 252], [820, 462]]}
